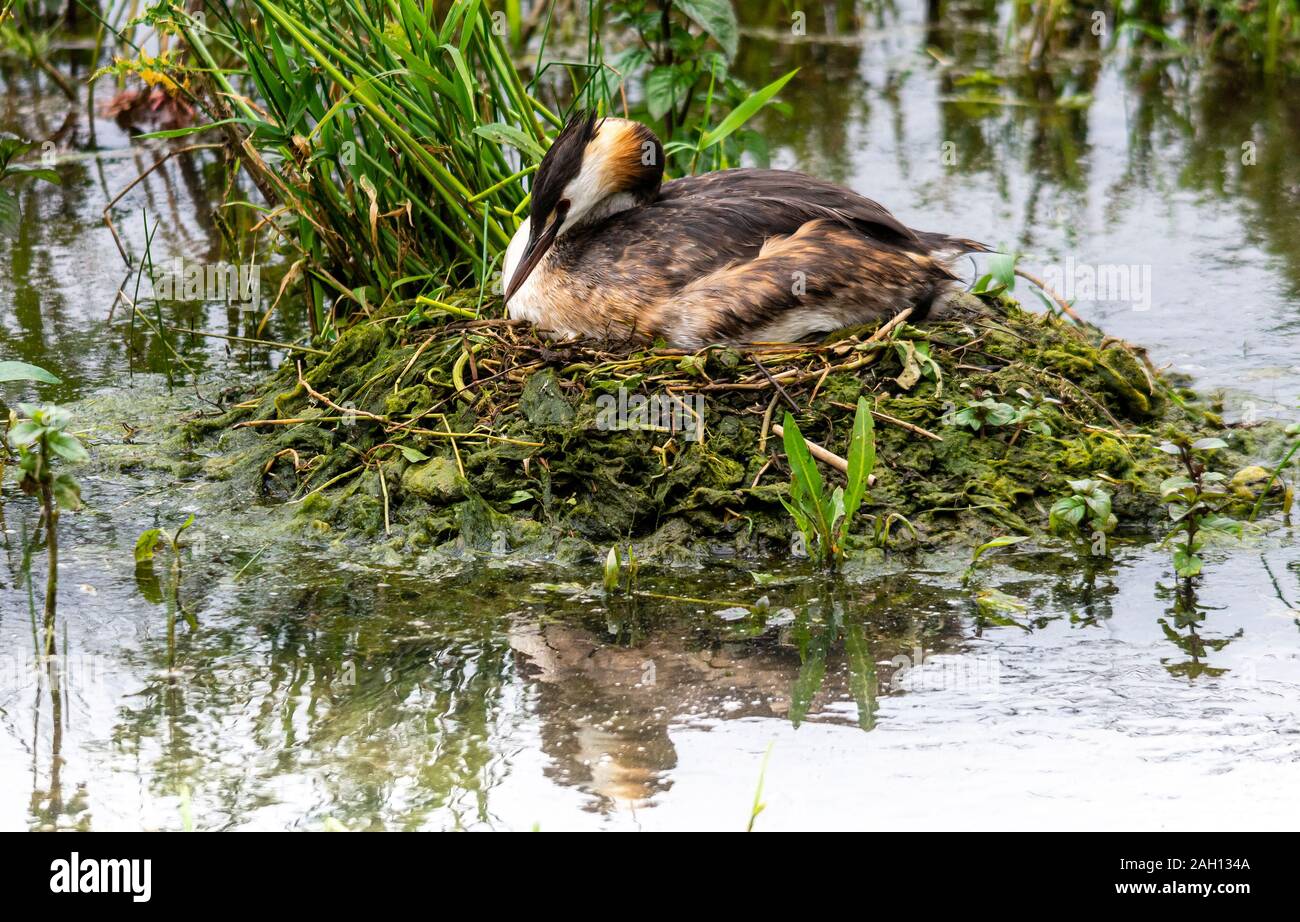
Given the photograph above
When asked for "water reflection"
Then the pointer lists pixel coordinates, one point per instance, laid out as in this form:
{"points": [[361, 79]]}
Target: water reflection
{"points": [[1130, 156], [61, 272]]}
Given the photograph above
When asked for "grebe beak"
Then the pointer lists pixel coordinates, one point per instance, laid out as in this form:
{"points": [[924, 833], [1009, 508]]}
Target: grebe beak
{"points": [[538, 244]]}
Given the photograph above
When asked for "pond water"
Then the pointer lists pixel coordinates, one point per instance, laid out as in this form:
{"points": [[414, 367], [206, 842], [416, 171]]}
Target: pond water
{"points": [[313, 690]]}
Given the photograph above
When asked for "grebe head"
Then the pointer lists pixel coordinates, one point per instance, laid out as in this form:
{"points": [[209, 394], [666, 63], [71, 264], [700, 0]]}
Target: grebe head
{"points": [[595, 168]]}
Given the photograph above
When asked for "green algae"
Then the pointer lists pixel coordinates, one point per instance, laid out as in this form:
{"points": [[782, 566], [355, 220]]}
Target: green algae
{"points": [[480, 435]]}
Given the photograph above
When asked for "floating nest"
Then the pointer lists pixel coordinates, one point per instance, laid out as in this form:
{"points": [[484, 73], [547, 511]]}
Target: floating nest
{"points": [[480, 434]]}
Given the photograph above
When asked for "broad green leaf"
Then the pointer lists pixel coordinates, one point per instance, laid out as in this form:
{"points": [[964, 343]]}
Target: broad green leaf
{"points": [[67, 447], [413, 455], [1208, 444], [717, 18], [12, 146], [25, 433], [147, 544], [1186, 564], [1067, 511], [612, 567], [21, 371], [662, 88], [836, 512], [67, 492], [34, 172], [805, 470], [1002, 267]]}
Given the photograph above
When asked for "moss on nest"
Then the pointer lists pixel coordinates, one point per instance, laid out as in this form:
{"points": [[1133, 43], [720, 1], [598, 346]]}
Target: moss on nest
{"points": [[483, 435]]}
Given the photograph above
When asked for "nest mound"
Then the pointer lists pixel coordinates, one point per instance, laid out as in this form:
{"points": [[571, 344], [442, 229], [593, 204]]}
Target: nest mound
{"points": [[481, 434]]}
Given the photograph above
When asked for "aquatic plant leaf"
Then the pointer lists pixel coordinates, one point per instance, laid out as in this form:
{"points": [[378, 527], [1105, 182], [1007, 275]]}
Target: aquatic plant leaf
{"points": [[67, 492], [862, 459], [501, 133], [1187, 564], [12, 146], [1066, 512], [717, 18], [147, 544], [837, 507], [1001, 541], [1222, 523], [414, 455], [67, 447], [1002, 269], [808, 480], [612, 567], [743, 112], [1211, 444], [34, 172], [25, 433], [21, 371], [1099, 503]]}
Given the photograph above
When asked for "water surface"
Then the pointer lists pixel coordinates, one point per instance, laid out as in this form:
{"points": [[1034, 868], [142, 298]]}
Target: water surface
{"points": [[314, 689]]}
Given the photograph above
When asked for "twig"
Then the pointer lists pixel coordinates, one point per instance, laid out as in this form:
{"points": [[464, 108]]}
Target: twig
{"points": [[1060, 302], [108, 218], [895, 321], [794, 407], [893, 420], [248, 339]]}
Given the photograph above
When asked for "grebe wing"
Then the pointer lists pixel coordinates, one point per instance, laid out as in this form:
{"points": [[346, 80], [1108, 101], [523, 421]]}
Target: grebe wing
{"points": [[784, 200]]}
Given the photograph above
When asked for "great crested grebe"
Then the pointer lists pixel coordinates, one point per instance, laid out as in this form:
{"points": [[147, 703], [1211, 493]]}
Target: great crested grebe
{"points": [[611, 251]]}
